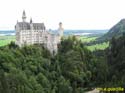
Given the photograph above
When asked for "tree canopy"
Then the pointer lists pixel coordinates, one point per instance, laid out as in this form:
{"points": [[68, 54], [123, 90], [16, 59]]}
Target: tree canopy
{"points": [[74, 69]]}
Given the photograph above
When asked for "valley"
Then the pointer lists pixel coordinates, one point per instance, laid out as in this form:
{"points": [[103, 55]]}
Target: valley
{"points": [[82, 63], [5, 40]]}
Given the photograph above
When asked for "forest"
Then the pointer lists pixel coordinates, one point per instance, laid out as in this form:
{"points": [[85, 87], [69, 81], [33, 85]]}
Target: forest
{"points": [[74, 69]]}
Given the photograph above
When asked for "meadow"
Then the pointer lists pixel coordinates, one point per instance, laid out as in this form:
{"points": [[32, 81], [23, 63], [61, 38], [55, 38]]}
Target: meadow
{"points": [[94, 47], [4, 40], [101, 46], [86, 39]]}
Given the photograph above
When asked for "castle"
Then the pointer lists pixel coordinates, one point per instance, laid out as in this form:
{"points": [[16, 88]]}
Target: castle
{"points": [[28, 33]]}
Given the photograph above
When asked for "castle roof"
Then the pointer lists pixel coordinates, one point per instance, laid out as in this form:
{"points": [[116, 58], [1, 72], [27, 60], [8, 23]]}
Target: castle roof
{"points": [[27, 26], [24, 25], [39, 26]]}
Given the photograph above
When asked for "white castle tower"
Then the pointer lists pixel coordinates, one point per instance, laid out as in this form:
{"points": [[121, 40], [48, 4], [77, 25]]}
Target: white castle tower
{"points": [[24, 16], [28, 33], [60, 30]]}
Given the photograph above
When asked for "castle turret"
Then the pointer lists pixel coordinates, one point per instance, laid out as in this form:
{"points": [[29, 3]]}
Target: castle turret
{"points": [[31, 21], [31, 33], [60, 30], [31, 24], [24, 16]]}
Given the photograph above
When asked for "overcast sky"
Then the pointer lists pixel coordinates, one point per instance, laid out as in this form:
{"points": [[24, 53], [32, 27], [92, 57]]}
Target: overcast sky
{"points": [[74, 14]]}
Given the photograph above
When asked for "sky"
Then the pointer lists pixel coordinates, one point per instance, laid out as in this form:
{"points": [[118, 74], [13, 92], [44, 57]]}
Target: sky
{"points": [[74, 14]]}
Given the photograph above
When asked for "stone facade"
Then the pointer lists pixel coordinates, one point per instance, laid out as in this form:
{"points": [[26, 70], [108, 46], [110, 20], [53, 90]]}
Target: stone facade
{"points": [[28, 33]]}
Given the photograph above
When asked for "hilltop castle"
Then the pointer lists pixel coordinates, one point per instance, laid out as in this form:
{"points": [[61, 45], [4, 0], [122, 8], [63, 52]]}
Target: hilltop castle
{"points": [[28, 33]]}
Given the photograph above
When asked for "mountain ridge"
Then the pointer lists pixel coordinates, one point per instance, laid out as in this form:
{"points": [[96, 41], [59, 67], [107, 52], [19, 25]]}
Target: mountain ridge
{"points": [[116, 31]]}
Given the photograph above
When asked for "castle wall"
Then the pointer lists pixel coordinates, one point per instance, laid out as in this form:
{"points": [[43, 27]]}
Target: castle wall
{"points": [[35, 33]]}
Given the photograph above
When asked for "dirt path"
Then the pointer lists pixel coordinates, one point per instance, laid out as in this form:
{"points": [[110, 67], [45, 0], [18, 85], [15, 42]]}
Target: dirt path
{"points": [[93, 91]]}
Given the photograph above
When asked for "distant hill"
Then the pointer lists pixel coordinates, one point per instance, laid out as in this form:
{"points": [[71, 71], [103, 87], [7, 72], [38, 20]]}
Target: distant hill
{"points": [[116, 31]]}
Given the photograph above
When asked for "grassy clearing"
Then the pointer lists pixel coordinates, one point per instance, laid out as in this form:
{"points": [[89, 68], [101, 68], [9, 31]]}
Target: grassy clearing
{"points": [[4, 40], [101, 46], [86, 39]]}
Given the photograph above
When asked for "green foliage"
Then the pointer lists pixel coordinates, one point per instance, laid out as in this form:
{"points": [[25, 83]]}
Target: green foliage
{"points": [[74, 69], [32, 69], [86, 39], [116, 31], [116, 60], [101, 46]]}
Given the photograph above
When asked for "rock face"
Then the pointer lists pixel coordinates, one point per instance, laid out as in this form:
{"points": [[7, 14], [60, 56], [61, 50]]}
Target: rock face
{"points": [[116, 31]]}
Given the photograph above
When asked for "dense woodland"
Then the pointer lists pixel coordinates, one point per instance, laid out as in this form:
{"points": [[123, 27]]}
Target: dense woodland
{"points": [[74, 69]]}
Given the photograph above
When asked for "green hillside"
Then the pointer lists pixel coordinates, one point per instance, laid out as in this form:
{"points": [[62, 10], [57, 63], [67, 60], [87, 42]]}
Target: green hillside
{"points": [[32, 69], [100, 46], [116, 31], [74, 69], [5, 40]]}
